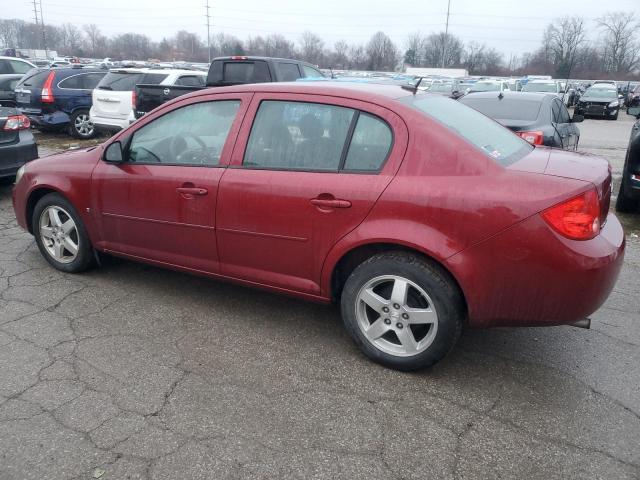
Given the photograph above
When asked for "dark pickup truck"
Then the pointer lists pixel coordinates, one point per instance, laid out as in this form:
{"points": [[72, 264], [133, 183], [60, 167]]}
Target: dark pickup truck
{"points": [[225, 71]]}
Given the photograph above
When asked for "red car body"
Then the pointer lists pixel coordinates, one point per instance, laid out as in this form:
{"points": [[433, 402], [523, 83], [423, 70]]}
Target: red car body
{"points": [[436, 194]]}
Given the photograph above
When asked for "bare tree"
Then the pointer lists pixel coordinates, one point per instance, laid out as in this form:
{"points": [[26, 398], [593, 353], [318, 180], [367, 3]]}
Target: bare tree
{"points": [[415, 45], [381, 53], [620, 50], [357, 58], [96, 40], [276, 45], [562, 39], [311, 48], [434, 49]]}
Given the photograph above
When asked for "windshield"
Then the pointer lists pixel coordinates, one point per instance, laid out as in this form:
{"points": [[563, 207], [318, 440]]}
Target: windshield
{"points": [[120, 81], [540, 87], [493, 139], [485, 87], [600, 93]]}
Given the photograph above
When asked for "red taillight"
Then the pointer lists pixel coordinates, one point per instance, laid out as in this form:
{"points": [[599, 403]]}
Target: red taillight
{"points": [[534, 138], [16, 122], [238, 57], [47, 90], [133, 98], [576, 218]]}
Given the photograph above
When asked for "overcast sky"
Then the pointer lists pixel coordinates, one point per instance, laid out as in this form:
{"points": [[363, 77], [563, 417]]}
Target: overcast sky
{"points": [[511, 26]]}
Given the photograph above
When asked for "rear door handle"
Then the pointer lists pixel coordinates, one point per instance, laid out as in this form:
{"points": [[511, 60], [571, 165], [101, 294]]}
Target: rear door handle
{"points": [[192, 191], [330, 203]]}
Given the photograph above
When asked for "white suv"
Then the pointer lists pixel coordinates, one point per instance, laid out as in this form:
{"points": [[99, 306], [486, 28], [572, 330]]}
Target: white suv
{"points": [[15, 65], [113, 98]]}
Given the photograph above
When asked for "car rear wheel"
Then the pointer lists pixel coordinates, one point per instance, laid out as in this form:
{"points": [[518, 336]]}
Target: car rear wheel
{"points": [[402, 311], [60, 234], [81, 125]]}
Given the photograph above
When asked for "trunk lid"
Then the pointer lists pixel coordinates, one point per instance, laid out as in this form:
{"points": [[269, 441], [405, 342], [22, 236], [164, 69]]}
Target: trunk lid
{"points": [[577, 166]]}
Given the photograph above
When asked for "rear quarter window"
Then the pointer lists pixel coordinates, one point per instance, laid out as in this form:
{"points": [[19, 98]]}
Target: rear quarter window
{"points": [[35, 79], [490, 137]]}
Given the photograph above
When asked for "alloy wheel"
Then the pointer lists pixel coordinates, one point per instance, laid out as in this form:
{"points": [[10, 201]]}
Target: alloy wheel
{"points": [[59, 234], [83, 125], [396, 315]]}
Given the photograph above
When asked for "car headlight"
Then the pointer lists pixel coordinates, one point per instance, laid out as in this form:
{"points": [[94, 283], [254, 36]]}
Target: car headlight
{"points": [[615, 103], [20, 173]]}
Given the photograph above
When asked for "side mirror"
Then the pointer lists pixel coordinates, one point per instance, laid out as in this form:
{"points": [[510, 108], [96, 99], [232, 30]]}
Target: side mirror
{"points": [[635, 111], [113, 153], [577, 118]]}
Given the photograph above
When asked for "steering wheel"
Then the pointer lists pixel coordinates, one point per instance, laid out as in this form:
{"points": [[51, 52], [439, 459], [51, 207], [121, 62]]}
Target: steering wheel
{"points": [[178, 146]]}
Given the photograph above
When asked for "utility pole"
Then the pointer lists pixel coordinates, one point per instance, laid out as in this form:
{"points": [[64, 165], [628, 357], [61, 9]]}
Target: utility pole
{"points": [[208, 34], [446, 34], [44, 34], [35, 13]]}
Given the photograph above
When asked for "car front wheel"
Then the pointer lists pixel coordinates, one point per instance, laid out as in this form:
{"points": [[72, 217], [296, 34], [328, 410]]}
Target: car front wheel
{"points": [[60, 234], [402, 311]]}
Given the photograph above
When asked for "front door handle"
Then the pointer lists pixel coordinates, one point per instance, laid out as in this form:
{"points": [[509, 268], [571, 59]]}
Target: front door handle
{"points": [[330, 203], [192, 191]]}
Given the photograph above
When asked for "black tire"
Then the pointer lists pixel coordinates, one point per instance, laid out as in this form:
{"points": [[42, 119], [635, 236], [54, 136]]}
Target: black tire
{"points": [[615, 117], [84, 257], [624, 203], [81, 131], [446, 298]]}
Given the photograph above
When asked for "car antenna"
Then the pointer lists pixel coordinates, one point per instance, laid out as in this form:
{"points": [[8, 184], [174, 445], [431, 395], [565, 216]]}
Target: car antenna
{"points": [[500, 95], [411, 87]]}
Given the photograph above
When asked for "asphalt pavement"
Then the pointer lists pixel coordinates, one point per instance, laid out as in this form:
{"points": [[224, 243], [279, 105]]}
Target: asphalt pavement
{"points": [[132, 372]]}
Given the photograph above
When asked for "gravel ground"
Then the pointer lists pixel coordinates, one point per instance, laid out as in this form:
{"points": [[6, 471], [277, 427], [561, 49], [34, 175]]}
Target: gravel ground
{"points": [[131, 372]]}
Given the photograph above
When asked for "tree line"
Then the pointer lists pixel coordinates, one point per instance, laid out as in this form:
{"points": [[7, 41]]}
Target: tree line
{"points": [[611, 50]]}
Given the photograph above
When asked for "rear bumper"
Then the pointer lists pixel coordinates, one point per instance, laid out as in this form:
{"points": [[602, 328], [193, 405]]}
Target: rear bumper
{"points": [[44, 120], [108, 124], [13, 156], [530, 276]]}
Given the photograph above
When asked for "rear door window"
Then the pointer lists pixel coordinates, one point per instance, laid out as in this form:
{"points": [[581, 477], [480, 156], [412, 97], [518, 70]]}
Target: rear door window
{"points": [[555, 112], [289, 135], [246, 72], [120, 81], [370, 144], [288, 72]]}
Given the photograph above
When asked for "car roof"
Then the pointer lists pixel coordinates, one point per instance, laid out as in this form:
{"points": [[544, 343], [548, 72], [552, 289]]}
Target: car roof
{"points": [[358, 91], [251, 57], [14, 58]]}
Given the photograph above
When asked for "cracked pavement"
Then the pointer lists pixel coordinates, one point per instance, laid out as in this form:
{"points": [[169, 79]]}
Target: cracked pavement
{"points": [[132, 372]]}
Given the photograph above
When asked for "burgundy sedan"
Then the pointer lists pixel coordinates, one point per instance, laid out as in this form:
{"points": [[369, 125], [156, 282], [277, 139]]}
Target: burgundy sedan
{"points": [[418, 214]]}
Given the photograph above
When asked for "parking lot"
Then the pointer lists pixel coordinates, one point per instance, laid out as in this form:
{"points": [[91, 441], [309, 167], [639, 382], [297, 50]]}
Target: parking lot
{"points": [[132, 372]]}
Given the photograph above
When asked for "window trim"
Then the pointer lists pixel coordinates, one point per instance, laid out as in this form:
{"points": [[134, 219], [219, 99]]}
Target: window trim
{"points": [[345, 147], [129, 138], [71, 76]]}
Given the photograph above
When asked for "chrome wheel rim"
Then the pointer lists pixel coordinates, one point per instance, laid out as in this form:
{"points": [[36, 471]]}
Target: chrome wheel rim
{"points": [[396, 315], [83, 124], [59, 234]]}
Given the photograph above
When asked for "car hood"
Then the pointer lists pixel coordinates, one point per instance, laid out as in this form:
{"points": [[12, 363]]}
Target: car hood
{"points": [[6, 111], [598, 99]]}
